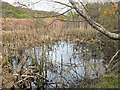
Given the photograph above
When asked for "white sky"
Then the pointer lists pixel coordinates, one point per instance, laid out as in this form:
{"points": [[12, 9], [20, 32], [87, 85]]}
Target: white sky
{"points": [[43, 5], [10, 1], [47, 6]]}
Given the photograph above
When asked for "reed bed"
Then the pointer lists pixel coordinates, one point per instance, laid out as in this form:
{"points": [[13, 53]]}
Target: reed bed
{"points": [[16, 42]]}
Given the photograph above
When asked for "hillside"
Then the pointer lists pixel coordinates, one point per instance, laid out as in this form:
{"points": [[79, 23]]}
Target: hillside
{"points": [[18, 12]]}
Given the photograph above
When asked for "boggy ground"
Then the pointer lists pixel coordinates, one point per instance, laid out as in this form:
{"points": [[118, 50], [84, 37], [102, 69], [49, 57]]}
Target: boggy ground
{"points": [[20, 39], [109, 80]]}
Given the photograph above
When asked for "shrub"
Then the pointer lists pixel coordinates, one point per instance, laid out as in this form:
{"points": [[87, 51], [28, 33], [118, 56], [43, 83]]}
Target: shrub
{"points": [[24, 16]]}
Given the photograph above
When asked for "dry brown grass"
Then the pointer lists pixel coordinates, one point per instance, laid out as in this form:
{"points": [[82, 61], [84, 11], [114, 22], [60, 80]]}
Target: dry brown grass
{"points": [[18, 39]]}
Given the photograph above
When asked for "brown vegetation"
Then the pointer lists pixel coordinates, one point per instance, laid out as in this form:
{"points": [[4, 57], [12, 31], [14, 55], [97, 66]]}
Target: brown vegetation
{"points": [[13, 23], [17, 40]]}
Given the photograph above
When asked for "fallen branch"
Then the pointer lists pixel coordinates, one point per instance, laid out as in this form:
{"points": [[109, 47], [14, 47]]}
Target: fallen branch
{"points": [[24, 76], [116, 64], [112, 59], [42, 77]]}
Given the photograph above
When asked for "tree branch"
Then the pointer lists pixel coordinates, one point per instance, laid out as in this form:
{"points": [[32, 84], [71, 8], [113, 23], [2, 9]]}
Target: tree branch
{"points": [[83, 6], [35, 2], [112, 59], [94, 24], [65, 21], [62, 4], [22, 5], [54, 15]]}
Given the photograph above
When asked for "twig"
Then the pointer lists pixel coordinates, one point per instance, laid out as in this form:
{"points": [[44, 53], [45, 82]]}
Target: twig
{"points": [[21, 80], [62, 4], [42, 77], [36, 2], [54, 15], [23, 65], [65, 21], [112, 59], [83, 6], [117, 63], [24, 76]]}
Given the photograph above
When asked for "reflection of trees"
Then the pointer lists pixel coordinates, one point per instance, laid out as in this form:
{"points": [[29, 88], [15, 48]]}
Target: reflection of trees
{"points": [[93, 68], [97, 51]]}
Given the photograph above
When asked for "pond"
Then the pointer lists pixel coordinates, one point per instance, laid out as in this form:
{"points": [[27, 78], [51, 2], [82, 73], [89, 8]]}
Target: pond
{"points": [[64, 62]]}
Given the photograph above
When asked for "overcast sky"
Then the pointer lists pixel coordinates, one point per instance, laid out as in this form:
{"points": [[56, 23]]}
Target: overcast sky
{"points": [[47, 6], [43, 5]]}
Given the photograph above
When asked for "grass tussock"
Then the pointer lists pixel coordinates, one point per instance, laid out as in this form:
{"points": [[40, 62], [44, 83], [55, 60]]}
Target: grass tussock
{"points": [[16, 41], [108, 81], [38, 36]]}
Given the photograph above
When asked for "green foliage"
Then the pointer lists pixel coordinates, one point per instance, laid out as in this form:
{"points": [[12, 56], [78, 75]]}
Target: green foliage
{"points": [[104, 14], [24, 16], [109, 21], [7, 12], [19, 12], [17, 15], [72, 15], [16, 12], [108, 81], [13, 13]]}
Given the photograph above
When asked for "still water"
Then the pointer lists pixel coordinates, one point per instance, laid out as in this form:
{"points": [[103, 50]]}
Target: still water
{"points": [[66, 62]]}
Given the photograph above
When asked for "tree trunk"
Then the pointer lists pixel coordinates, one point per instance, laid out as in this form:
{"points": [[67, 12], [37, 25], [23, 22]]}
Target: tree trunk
{"points": [[119, 42], [119, 23], [94, 24], [0, 47]]}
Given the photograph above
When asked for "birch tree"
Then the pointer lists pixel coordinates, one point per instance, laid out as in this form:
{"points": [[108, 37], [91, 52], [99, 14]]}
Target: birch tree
{"points": [[97, 26]]}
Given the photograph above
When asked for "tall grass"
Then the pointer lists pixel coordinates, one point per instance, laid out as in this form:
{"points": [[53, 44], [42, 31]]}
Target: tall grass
{"points": [[15, 43]]}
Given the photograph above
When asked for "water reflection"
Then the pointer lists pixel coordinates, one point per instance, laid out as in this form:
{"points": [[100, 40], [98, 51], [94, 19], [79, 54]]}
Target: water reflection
{"points": [[66, 62]]}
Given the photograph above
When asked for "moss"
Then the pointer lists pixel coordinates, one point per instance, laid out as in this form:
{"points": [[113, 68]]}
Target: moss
{"points": [[108, 81]]}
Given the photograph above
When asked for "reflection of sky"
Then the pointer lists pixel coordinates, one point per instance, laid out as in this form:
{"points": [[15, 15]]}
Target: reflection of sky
{"points": [[93, 66], [79, 67]]}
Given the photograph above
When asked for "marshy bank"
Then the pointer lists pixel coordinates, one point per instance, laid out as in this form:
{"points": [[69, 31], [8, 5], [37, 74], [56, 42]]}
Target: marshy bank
{"points": [[40, 50], [54, 58], [49, 58]]}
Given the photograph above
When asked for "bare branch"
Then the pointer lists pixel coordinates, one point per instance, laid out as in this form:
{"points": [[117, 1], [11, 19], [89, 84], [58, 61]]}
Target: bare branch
{"points": [[83, 6], [94, 24], [29, 3], [112, 59], [36, 2], [22, 5], [54, 15], [62, 4], [65, 21]]}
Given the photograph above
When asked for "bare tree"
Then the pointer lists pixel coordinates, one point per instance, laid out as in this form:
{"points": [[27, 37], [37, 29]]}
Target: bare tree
{"points": [[94, 24]]}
